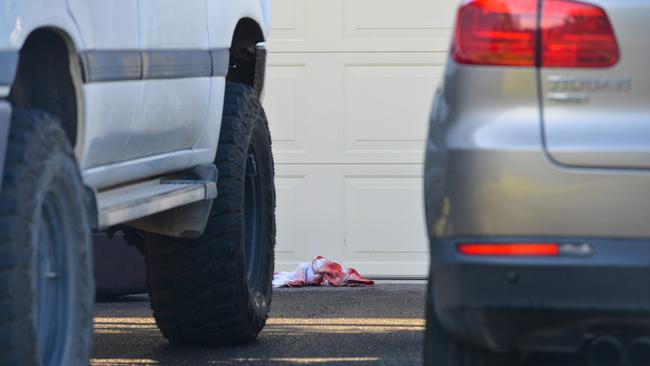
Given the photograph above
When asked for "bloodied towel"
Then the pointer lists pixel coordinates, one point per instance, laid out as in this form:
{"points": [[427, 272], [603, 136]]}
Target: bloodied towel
{"points": [[320, 272]]}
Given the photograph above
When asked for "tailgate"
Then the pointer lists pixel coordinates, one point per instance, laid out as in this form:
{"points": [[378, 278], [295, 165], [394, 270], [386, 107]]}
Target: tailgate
{"points": [[600, 117]]}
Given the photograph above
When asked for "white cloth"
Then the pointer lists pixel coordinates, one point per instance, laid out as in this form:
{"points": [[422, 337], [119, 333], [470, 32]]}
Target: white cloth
{"points": [[320, 272]]}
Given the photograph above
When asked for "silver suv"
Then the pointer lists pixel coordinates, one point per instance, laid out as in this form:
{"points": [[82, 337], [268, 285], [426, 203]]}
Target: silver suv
{"points": [[537, 184]]}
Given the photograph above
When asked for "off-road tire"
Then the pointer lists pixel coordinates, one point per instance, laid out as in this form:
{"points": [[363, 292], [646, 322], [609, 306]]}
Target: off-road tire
{"points": [[440, 349], [44, 229], [200, 290]]}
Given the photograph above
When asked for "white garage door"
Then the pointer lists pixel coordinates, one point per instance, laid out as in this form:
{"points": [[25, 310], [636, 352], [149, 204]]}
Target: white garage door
{"points": [[350, 84]]}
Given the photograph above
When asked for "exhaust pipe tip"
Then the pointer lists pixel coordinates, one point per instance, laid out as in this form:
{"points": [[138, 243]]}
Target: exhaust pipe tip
{"points": [[605, 351], [638, 352]]}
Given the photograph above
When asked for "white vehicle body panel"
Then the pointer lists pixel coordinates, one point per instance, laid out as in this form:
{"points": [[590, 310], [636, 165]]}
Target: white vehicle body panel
{"points": [[206, 145], [173, 24], [18, 18], [110, 111], [173, 112], [109, 108], [133, 129], [97, 20]]}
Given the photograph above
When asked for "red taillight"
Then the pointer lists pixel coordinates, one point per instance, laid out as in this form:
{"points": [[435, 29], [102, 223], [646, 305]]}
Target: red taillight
{"points": [[510, 33], [496, 32], [575, 34], [509, 249]]}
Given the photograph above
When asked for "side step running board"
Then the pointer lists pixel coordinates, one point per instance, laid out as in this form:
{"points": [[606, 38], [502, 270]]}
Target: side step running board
{"points": [[128, 203]]}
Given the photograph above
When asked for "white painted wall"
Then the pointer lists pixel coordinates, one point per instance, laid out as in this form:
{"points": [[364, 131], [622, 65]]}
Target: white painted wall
{"points": [[349, 89]]}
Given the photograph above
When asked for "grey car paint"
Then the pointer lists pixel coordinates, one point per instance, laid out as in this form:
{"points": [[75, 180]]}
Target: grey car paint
{"points": [[488, 172], [604, 120]]}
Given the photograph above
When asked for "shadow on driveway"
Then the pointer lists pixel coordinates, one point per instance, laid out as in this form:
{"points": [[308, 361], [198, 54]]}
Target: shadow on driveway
{"points": [[376, 326], [383, 325]]}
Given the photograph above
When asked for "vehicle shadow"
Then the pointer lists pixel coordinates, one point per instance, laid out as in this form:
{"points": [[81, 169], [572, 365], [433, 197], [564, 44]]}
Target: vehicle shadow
{"points": [[376, 326], [307, 326]]}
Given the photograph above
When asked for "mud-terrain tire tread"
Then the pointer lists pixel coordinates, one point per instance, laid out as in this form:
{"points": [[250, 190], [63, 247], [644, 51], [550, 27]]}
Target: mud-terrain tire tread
{"points": [[198, 288], [34, 138]]}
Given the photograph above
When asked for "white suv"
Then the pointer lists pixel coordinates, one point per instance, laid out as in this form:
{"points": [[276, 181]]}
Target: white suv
{"points": [[142, 116]]}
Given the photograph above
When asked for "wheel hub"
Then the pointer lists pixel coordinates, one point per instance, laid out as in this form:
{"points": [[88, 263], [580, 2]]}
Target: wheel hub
{"points": [[252, 210], [52, 300]]}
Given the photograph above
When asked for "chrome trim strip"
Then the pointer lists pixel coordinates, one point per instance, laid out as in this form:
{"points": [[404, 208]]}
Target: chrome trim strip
{"points": [[111, 65], [176, 64], [220, 61], [121, 65]]}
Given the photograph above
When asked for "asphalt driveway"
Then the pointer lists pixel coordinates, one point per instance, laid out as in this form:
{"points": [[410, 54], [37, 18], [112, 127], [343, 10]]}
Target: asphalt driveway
{"points": [[382, 325]]}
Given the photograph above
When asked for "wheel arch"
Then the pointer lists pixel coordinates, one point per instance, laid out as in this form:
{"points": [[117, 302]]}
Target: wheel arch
{"points": [[49, 78], [247, 54]]}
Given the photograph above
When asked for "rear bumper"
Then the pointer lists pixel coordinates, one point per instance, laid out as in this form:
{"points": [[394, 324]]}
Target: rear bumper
{"points": [[488, 176], [542, 304]]}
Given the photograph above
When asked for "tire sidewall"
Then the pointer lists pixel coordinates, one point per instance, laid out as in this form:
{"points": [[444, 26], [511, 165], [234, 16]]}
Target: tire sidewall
{"points": [[252, 133], [199, 288], [59, 178], [44, 165], [261, 292]]}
